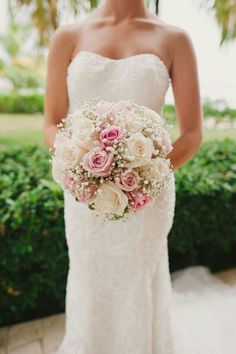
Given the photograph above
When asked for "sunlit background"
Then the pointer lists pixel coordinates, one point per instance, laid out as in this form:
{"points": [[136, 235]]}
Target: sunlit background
{"points": [[217, 69], [25, 31]]}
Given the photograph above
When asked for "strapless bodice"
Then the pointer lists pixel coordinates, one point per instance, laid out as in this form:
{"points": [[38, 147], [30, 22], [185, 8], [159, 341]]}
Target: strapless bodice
{"points": [[141, 78]]}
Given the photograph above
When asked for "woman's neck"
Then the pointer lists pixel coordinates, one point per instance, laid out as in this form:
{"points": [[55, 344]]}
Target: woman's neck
{"points": [[124, 9]]}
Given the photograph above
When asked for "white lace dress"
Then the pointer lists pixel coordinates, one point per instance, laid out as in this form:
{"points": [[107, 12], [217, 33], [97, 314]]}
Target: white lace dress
{"points": [[119, 297]]}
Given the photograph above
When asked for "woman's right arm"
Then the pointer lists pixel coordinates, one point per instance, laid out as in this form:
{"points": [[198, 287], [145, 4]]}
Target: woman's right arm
{"points": [[56, 96]]}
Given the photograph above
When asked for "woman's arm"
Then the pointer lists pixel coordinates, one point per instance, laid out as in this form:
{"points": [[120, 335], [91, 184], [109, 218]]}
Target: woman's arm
{"points": [[56, 97], [185, 85]]}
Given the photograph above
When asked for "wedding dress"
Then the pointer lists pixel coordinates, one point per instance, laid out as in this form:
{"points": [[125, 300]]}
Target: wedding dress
{"points": [[119, 296]]}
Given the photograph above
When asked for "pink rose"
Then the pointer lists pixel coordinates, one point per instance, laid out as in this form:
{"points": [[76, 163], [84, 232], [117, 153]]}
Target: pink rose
{"points": [[110, 134], [103, 107], [87, 195], [69, 181], [120, 106], [81, 197], [166, 142], [138, 200], [71, 184], [127, 181], [93, 188], [98, 162]]}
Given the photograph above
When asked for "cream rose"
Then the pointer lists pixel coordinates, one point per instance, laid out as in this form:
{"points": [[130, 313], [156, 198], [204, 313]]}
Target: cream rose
{"points": [[110, 199], [59, 140], [82, 128], [87, 144], [139, 150], [130, 121], [166, 142], [120, 106], [103, 107], [159, 169], [58, 173], [68, 154], [152, 117]]}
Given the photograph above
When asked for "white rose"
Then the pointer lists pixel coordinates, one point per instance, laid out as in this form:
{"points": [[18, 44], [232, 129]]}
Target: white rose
{"points": [[59, 140], [68, 154], [131, 121], [152, 117], [75, 117], [82, 128], [111, 199], [103, 107], [58, 172], [139, 150], [87, 144], [159, 169]]}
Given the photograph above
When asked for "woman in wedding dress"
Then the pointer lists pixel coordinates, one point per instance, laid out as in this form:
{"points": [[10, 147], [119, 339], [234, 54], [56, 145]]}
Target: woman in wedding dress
{"points": [[119, 296]]}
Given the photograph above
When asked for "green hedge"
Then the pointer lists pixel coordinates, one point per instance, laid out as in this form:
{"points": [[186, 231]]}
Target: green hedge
{"points": [[15, 103], [22, 77], [204, 230], [210, 109], [34, 261]]}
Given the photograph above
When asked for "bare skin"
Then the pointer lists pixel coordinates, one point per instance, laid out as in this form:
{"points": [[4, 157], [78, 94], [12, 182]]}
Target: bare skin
{"points": [[119, 29]]}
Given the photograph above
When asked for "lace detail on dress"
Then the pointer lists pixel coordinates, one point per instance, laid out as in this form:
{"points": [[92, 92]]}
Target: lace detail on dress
{"points": [[119, 297], [142, 78]]}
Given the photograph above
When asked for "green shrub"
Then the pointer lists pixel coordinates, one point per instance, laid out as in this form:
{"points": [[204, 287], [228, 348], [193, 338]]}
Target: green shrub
{"points": [[34, 261], [33, 250], [218, 109], [204, 229], [15, 103], [22, 78]]}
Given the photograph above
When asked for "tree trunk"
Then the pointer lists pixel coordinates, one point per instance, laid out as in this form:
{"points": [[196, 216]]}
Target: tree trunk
{"points": [[157, 6]]}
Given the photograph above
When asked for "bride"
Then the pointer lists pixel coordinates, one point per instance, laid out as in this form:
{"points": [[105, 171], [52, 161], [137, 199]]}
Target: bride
{"points": [[119, 297]]}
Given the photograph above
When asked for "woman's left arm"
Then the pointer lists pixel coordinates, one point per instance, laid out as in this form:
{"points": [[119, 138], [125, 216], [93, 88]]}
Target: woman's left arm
{"points": [[185, 86]]}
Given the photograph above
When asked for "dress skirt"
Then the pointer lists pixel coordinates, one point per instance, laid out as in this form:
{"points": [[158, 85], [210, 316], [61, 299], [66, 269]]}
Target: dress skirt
{"points": [[119, 293]]}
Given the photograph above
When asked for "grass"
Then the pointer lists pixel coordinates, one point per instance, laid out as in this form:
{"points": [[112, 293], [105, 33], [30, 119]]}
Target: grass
{"points": [[23, 129]]}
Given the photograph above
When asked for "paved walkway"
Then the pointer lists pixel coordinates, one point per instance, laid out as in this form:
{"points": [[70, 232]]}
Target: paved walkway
{"points": [[43, 336], [34, 337]]}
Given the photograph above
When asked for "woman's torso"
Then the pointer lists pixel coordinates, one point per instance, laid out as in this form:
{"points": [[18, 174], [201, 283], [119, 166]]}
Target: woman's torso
{"points": [[125, 61], [141, 78]]}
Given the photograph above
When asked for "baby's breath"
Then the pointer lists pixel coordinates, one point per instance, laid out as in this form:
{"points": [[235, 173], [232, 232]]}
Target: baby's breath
{"points": [[82, 182]]}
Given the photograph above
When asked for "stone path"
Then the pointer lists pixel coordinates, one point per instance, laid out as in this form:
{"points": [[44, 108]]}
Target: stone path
{"points": [[43, 336], [34, 337]]}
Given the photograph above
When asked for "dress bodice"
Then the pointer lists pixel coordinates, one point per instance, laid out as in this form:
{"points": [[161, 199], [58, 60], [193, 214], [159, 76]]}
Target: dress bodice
{"points": [[141, 78]]}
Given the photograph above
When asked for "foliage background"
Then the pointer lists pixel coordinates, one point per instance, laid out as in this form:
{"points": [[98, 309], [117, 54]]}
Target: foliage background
{"points": [[34, 260], [46, 14]]}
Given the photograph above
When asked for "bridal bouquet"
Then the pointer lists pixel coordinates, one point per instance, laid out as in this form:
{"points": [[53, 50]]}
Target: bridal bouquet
{"points": [[112, 156]]}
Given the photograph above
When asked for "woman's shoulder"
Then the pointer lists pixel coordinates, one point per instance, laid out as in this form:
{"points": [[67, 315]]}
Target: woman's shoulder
{"points": [[65, 38], [171, 32], [177, 40], [69, 34], [65, 33]]}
